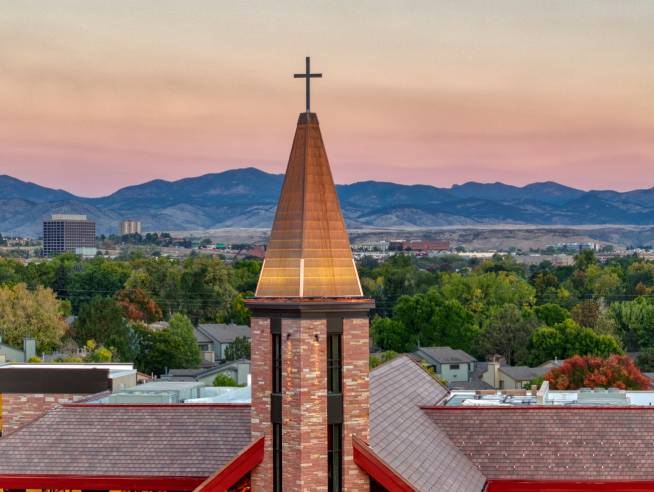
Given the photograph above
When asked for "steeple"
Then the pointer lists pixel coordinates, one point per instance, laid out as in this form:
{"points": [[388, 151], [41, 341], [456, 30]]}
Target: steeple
{"points": [[309, 251]]}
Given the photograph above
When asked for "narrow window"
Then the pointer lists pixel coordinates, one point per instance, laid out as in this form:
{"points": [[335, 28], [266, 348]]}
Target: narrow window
{"points": [[334, 364], [335, 457], [277, 363], [277, 457]]}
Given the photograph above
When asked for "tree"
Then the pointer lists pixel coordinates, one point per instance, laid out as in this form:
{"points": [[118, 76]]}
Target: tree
{"points": [[97, 353], [616, 371], [593, 313], [634, 322], [138, 306], [237, 312], [584, 259], [173, 347], [551, 314], [390, 334], [223, 379], [101, 319], [435, 321], [645, 360], [31, 314], [566, 339], [205, 288], [238, 349], [98, 277], [507, 333]]}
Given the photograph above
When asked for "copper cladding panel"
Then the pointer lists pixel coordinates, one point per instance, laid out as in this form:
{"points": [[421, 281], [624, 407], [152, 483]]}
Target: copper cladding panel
{"points": [[309, 251]]}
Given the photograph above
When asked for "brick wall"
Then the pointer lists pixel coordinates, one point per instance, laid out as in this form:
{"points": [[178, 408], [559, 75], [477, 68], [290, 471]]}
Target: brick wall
{"points": [[304, 405], [304, 402], [355, 399], [260, 370], [19, 409]]}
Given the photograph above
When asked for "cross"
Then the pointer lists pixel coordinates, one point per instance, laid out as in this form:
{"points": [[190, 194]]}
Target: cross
{"points": [[308, 76]]}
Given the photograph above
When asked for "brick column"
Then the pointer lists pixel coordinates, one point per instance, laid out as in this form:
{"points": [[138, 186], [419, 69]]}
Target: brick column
{"points": [[260, 370], [304, 405], [355, 399]]}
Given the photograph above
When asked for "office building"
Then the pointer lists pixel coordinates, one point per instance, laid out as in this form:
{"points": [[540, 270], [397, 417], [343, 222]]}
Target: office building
{"points": [[130, 227], [65, 233]]}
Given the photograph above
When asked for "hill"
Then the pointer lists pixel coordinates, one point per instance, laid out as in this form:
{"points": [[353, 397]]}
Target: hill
{"points": [[247, 198]]}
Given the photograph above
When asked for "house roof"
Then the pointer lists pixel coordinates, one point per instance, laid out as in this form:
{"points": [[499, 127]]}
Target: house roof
{"points": [[132, 440], [404, 436], [547, 443], [523, 373], [446, 355], [475, 383], [220, 332]]}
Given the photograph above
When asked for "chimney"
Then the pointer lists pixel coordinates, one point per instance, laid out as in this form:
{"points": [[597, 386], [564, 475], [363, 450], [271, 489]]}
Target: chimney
{"points": [[29, 348]]}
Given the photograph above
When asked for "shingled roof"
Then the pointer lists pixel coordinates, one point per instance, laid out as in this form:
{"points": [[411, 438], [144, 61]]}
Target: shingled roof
{"points": [[546, 443], [132, 440], [404, 436]]}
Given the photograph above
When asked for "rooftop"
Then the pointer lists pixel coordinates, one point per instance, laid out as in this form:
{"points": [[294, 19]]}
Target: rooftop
{"points": [[547, 443], [220, 332], [446, 355], [133, 440]]}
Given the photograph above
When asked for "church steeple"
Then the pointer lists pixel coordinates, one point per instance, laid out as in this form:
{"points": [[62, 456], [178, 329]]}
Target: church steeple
{"points": [[309, 251], [310, 334]]}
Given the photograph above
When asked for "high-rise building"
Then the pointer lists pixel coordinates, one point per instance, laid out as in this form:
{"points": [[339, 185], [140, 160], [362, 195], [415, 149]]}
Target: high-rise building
{"points": [[65, 233], [310, 329], [130, 227]]}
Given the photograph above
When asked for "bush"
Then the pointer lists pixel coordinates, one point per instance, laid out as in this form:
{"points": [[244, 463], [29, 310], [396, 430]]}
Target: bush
{"points": [[223, 379]]}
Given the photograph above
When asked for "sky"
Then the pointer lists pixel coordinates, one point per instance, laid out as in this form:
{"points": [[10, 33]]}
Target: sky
{"points": [[97, 95]]}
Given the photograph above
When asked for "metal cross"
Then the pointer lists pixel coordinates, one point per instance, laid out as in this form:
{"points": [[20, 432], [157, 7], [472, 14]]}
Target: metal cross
{"points": [[308, 76]]}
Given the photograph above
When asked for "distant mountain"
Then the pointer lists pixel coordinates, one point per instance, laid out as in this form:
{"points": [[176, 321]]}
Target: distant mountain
{"points": [[15, 188], [247, 198]]}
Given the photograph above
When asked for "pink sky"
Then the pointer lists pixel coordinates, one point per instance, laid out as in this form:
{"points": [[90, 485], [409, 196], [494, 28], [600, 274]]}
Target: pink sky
{"points": [[95, 96]]}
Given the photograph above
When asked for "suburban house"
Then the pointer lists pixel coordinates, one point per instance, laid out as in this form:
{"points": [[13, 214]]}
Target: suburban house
{"points": [[238, 370], [214, 338], [511, 377], [12, 354], [451, 364]]}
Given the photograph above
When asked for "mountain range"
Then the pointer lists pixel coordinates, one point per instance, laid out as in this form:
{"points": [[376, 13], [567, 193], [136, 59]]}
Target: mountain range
{"points": [[246, 198]]}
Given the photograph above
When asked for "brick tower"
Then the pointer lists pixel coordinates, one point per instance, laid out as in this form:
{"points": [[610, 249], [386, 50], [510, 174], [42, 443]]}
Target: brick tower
{"points": [[309, 334]]}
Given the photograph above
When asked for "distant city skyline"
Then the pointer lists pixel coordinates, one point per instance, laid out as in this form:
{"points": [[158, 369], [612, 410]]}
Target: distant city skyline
{"points": [[96, 96]]}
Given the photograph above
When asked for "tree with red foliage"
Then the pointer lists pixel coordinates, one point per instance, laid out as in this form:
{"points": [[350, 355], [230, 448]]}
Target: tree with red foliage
{"points": [[138, 306], [616, 371]]}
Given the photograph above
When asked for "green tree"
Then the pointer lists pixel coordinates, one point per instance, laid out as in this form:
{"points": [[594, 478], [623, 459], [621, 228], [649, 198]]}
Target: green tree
{"points": [[567, 339], [645, 359], [174, 347], [507, 333], [101, 319], [585, 259], [237, 312], [239, 349], [390, 334], [98, 277], [551, 314], [223, 379], [634, 322], [31, 314]]}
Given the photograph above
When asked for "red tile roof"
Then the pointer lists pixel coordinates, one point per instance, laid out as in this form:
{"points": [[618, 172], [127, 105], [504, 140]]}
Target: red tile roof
{"points": [[553, 443], [128, 440], [404, 436]]}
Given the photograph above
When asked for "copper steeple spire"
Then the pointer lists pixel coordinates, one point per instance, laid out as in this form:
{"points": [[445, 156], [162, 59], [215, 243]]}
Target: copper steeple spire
{"points": [[309, 251]]}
